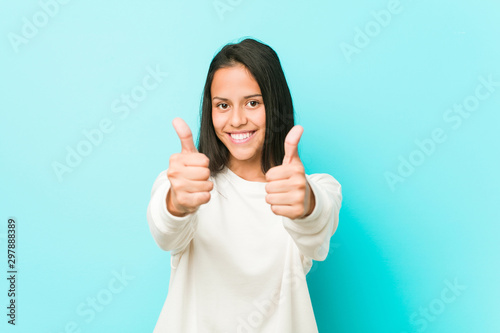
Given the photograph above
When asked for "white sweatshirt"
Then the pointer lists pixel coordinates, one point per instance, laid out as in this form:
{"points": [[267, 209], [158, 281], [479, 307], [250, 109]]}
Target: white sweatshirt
{"points": [[235, 265]]}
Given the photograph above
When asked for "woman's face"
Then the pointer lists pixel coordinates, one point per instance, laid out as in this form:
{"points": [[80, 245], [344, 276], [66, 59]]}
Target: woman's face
{"points": [[238, 114]]}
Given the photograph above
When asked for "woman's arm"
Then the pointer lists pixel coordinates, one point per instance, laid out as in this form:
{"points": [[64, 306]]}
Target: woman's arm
{"points": [[170, 232], [312, 233]]}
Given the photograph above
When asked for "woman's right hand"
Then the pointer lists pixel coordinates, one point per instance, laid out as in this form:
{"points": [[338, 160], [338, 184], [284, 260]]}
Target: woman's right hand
{"points": [[188, 174]]}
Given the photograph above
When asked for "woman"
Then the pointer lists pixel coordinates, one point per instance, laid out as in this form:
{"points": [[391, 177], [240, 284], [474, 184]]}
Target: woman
{"points": [[241, 218]]}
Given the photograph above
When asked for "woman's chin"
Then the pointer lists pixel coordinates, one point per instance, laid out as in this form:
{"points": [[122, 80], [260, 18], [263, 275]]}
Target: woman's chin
{"points": [[243, 158]]}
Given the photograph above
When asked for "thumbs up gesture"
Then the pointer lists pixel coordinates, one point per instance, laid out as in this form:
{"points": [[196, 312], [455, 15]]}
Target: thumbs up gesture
{"points": [[188, 174], [287, 189]]}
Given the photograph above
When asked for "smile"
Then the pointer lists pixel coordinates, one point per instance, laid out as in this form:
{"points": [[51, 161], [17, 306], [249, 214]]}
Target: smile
{"points": [[241, 137]]}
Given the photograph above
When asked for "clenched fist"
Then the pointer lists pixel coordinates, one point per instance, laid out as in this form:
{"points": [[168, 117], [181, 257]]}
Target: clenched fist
{"points": [[188, 174], [287, 189]]}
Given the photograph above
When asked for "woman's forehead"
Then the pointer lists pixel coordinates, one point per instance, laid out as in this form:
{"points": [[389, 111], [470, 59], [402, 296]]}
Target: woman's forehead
{"points": [[234, 82]]}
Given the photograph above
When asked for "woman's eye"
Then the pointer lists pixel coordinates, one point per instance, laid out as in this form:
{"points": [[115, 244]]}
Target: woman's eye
{"points": [[253, 103], [223, 106]]}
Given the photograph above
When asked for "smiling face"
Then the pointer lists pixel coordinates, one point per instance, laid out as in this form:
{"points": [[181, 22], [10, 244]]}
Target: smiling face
{"points": [[239, 116]]}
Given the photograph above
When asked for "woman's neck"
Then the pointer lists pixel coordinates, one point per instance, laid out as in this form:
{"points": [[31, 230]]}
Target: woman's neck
{"points": [[248, 171]]}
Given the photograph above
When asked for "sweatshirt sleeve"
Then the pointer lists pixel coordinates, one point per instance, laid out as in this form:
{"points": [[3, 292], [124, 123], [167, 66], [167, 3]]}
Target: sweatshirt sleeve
{"points": [[312, 233], [170, 232]]}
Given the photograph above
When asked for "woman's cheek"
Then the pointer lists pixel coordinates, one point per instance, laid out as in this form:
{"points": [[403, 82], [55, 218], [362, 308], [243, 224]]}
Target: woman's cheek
{"points": [[217, 121]]}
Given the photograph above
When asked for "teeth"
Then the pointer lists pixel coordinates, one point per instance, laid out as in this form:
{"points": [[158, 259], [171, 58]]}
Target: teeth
{"points": [[241, 136]]}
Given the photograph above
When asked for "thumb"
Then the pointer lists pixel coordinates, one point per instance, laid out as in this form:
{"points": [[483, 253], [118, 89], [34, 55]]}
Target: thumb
{"points": [[291, 144], [184, 133]]}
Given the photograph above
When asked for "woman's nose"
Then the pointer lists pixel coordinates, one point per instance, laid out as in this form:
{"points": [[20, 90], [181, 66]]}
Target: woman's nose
{"points": [[238, 117]]}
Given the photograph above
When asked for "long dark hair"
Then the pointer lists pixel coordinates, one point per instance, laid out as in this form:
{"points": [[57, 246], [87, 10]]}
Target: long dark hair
{"points": [[264, 64]]}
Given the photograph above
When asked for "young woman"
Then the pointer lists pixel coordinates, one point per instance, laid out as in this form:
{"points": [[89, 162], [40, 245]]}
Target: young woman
{"points": [[241, 218]]}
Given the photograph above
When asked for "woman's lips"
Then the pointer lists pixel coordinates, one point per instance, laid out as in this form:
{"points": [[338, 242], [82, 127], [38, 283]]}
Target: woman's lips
{"points": [[239, 141]]}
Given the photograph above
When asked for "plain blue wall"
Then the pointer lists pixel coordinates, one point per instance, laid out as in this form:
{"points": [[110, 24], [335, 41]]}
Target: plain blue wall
{"points": [[372, 81]]}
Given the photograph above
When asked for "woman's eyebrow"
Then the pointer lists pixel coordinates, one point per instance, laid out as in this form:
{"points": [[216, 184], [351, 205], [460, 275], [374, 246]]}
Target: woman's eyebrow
{"points": [[226, 99]]}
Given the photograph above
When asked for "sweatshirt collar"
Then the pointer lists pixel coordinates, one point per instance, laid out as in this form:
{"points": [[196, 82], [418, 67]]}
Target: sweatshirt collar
{"points": [[243, 184]]}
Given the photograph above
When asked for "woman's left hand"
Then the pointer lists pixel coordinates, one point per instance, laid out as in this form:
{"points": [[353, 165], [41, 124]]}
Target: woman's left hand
{"points": [[287, 189]]}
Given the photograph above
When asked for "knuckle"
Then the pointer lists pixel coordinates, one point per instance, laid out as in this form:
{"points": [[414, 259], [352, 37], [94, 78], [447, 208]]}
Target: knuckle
{"points": [[181, 199], [206, 159], [174, 185], [299, 168], [268, 199], [206, 186], [174, 158], [203, 159], [204, 197], [173, 173], [300, 184]]}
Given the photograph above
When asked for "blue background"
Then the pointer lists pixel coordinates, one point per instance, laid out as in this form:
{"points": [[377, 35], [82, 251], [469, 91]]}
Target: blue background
{"points": [[396, 249]]}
